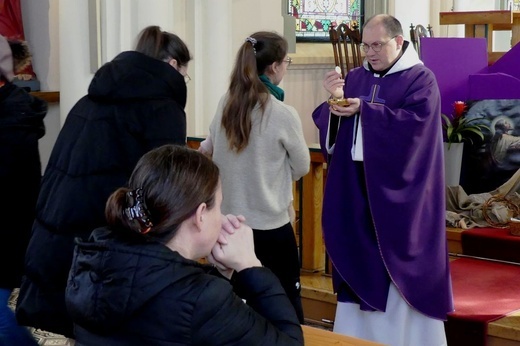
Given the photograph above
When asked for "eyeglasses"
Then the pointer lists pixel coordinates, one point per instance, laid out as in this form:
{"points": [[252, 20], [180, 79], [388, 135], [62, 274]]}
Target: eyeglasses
{"points": [[288, 60], [187, 78], [376, 46]]}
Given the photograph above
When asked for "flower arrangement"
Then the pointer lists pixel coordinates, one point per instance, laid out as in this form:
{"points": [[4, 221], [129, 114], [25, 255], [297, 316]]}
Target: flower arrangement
{"points": [[457, 127]]}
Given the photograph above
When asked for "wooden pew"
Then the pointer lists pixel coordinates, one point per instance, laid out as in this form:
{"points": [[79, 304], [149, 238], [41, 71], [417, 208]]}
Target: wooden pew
{"points": [[320, 337]]}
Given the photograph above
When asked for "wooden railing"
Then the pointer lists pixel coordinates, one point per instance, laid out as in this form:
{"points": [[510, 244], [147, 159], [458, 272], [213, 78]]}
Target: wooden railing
{"points": [[308, 201], [483, 24]]}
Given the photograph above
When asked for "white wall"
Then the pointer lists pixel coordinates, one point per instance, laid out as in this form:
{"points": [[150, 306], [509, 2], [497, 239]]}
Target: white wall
{"points": [[411, 12]]}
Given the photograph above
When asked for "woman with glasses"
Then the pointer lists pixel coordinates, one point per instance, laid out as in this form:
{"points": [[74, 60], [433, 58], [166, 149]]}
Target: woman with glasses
{"points": [[384, 203], [135, 103], [259, 147]]}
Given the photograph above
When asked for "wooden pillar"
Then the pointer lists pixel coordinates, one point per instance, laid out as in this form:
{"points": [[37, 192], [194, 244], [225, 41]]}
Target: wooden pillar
{"points": [[313, 251]]}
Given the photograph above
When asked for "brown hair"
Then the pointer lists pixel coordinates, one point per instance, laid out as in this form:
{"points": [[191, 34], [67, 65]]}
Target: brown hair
{"points": [[174, 180], [246, 90], [162, 45]]}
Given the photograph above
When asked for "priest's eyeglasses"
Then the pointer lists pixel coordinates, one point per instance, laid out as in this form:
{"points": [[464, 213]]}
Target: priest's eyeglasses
{"points": [[288, 60], [376, 46]]}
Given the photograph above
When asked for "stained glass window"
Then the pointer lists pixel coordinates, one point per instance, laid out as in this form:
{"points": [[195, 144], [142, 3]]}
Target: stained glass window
{"points": [[315, 17], [516, 5]]}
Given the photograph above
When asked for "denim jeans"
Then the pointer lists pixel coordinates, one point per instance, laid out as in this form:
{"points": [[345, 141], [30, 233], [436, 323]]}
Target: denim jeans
{"points": [[11, 334]]}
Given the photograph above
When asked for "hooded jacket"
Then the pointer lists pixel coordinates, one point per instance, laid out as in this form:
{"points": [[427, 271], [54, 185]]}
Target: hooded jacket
{"points": [[124, 292], [135, 103]]}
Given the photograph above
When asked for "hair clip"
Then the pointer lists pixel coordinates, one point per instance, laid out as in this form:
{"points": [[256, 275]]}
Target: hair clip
{"points": [[137, 210], [253, 42]]}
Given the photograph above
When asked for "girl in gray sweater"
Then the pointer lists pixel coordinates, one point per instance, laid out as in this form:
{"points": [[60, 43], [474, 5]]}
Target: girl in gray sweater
{"points": [[257, 142]]}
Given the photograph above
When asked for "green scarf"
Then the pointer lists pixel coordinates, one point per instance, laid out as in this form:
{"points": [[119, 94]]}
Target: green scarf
{"points": [[273, 89]]}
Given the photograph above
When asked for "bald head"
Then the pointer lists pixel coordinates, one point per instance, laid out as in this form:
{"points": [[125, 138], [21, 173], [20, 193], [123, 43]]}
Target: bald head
{"points": [[391, 25], [383, 40]]}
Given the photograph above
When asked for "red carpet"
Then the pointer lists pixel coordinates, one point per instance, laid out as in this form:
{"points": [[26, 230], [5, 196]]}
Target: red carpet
{"points": [[483, 292], [493, 243]]}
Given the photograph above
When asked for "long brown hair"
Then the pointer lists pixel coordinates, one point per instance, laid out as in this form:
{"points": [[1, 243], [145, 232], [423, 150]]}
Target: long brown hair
{"points": [[162, 45], [246, 90], [173, 181]]}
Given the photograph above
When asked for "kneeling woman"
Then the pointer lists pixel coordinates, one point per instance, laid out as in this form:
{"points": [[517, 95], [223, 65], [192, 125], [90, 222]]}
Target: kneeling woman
{"points": [[139, 281]]}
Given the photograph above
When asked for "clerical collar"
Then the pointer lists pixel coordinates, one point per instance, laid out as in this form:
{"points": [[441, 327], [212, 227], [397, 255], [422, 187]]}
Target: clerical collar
{"points": [[384, 72]]}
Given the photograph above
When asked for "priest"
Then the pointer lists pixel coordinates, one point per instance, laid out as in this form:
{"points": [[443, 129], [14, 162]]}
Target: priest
{"points": [[384, 204]]}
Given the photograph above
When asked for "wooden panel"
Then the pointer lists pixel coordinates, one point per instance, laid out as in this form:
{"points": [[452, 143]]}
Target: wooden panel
{"points": [[313, 250], [453, 236], [49, 96], [318, 311], [494, 56], [475, 17], [515, 30], [506, 328], [319, 337], [502, 26]]}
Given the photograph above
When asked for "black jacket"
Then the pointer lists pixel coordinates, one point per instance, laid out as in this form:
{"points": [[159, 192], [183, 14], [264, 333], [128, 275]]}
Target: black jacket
{"points": [[21, 125], [124, 292], [134, 104]]}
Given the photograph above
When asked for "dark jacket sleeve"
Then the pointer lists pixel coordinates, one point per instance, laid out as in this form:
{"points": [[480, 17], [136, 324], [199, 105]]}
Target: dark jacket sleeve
{"points": [[267, 317]]}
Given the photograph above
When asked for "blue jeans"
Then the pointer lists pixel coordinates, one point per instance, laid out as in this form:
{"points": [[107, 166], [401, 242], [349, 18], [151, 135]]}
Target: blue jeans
{"points": [[11, 334]]}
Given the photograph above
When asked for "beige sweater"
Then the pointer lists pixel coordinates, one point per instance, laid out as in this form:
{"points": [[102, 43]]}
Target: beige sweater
{"points": [[257, 182]]}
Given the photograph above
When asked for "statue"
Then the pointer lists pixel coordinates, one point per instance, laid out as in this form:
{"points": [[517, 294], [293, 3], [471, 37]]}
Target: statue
{"points": [[11, 27]]}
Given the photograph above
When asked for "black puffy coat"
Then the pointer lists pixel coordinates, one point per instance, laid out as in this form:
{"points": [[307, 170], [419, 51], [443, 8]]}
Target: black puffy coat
{"points": [[127, 293], [135, 103], [21, 126]]}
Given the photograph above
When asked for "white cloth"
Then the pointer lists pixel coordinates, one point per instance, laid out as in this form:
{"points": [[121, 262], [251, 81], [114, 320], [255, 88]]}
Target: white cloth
{"points": [[357, 144], [400, 325]]}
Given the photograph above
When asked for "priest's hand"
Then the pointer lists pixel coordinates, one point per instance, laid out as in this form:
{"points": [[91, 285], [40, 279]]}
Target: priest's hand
{"points": [[351, 109], [333, 81]]}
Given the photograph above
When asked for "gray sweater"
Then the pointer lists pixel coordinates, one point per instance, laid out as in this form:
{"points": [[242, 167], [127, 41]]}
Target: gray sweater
{"points": [[257, 182]]}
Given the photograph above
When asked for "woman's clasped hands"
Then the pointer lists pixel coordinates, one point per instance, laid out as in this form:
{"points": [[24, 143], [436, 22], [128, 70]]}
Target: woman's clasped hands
{"points": [[234, 249]]}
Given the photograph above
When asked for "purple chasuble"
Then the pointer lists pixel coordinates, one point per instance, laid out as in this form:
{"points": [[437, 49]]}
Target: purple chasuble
{"points": [[384, 218]]}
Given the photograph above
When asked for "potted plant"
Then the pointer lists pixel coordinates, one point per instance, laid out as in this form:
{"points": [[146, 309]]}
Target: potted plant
{"points": [[458, 129]]}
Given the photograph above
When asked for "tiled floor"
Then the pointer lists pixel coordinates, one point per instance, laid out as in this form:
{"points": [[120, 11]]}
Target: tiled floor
{"points": [[41, 336]]}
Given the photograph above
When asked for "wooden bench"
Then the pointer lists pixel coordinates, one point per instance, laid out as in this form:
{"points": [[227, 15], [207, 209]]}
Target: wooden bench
{"points": [[320, 337]]}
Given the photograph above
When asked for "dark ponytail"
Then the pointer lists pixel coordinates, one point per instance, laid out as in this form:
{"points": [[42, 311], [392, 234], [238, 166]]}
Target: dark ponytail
{"points": [[166, 188], [162, 45]]}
